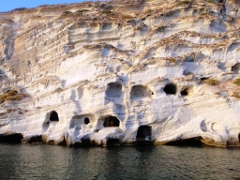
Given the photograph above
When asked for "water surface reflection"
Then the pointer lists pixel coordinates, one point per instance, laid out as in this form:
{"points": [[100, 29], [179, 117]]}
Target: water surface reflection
{"points": [[153, 162]]}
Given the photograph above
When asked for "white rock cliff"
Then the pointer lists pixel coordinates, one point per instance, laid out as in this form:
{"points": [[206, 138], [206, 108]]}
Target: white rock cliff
{"points": [[122, 72]]}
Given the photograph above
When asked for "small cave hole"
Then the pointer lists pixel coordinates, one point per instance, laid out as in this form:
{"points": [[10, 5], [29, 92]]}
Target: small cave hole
{"points": [[140, 91], [184, 92], [78, 120], [111, 121], [144, 133], [170, 89], [235, 68], [54, 116], [204, 78], [86, 120], [114, 90]]}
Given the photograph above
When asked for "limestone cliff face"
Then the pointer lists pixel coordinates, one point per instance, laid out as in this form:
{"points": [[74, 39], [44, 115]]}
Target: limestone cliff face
{"points": [[123, 71]]}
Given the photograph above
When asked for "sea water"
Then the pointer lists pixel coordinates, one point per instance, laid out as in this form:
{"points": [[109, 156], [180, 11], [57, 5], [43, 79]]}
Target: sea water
{"points": [[145, 162]]}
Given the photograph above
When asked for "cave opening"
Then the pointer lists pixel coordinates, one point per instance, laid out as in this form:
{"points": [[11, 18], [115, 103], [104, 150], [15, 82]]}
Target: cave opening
{"points": [[144, 133], [12, 138], [82, 119], [184, 92], [235, 68], [140, 91], [114, 90], [193, 142], [54, 116], [111, 121], [86, 120], [170, 89]]}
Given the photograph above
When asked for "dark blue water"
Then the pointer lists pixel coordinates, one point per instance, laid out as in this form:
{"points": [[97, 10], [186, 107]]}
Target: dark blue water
{"points": [[157, 162]]}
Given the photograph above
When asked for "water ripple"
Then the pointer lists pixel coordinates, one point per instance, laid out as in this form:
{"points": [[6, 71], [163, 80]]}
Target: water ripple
{"points": [[131, 163]]}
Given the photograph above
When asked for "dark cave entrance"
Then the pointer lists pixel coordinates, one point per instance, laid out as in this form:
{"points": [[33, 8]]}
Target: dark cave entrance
{"points": [[54, 116], [86, 120], [184, 92], [144, 133], [170, 89], [111, 121], [235, 68], [193, 142], [12, 138]]}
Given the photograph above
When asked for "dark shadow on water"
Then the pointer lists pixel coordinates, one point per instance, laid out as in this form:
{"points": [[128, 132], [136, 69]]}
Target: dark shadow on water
{"points": [[113, 142], [128, 162], [143, 148], [86, 143]]}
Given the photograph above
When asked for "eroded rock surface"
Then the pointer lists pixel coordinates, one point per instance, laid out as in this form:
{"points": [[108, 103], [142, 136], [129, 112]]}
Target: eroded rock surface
{"points": [[122, 71]]}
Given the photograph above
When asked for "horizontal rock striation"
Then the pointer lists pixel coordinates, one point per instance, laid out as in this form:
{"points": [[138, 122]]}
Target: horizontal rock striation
{"points": [[121, 72]]}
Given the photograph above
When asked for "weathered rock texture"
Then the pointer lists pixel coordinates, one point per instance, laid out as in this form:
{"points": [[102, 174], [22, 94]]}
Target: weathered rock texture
{"points": [[123, 71]]}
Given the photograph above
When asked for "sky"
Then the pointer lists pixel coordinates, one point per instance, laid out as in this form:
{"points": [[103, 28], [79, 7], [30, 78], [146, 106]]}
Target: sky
{"points": [[8, 5]]}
